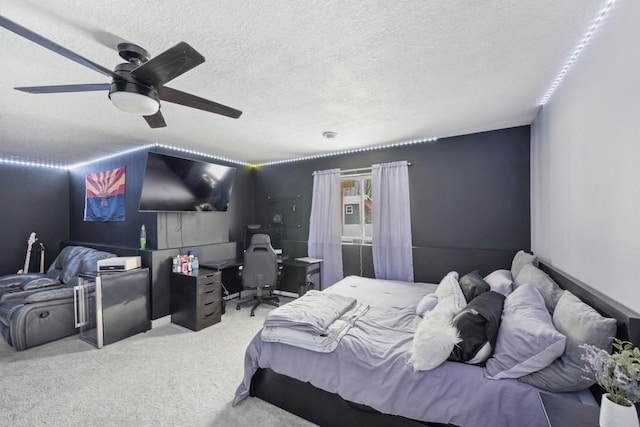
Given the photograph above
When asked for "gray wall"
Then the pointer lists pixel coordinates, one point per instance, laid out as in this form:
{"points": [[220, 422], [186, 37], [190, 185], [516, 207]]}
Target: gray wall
{"points": [[33, 199], [164, 230], [125, 233], [585, 175], [469, 201], [207, 234]]}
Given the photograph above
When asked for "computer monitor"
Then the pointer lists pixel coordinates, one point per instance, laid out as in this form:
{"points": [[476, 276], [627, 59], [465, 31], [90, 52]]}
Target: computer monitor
{"points": [[275, 233]]}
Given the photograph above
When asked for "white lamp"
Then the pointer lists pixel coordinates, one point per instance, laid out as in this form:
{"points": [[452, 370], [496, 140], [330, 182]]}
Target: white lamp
{"points": [[134, 98]]}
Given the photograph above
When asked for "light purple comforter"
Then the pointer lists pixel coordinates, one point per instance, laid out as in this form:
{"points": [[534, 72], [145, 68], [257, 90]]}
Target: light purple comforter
{"points": [[370, 367]]}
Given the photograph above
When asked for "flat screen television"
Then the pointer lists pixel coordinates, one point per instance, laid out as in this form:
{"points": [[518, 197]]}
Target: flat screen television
{"points": [[174, 184]]}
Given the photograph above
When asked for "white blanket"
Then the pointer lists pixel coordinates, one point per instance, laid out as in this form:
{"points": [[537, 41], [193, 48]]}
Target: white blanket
{"points": [[322, 343], [313, 312]]}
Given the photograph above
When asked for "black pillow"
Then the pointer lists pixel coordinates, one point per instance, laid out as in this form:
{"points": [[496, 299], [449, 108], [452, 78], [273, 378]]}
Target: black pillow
{"points": [[472, 285], [477, 323]]}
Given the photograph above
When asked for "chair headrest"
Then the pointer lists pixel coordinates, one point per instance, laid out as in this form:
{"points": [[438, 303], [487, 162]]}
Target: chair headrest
{"points": [[260, 239]]}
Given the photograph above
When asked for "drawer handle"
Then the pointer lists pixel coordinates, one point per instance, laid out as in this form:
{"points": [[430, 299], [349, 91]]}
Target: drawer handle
{"points": [[209, 315], [209, 303], [208, 292]]}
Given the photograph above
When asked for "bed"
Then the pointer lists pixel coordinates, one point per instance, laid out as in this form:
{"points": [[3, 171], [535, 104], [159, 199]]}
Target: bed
{"points": [[373, 356]]}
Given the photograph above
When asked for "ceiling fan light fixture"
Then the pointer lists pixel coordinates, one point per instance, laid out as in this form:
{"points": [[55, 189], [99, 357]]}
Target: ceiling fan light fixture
{"points": [[134, 98]]}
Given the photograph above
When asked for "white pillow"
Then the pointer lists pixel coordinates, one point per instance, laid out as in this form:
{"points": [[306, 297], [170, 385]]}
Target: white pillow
{"points": [[527, 340], [435, 337], [426, 304], [500, 281], [450, 288]]}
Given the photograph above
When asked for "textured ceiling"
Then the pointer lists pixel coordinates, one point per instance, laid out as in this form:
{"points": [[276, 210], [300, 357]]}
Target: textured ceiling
{"points": [[375, 72]]}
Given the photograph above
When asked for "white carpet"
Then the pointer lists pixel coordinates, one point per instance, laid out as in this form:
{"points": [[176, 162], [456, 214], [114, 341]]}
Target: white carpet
{"points": [[169, 376]]}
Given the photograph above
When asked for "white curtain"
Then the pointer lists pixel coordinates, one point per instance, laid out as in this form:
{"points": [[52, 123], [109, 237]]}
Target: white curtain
{"points": [[325, 229], [392, 256]]}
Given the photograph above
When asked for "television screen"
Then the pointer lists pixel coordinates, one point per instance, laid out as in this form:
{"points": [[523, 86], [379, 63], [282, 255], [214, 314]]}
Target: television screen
{"points": [[176, 184]]}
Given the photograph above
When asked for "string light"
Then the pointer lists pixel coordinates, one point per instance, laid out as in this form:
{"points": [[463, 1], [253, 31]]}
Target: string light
{"points": [[576, 53], [351, 151], [28, 163], [200, 153], [212, 156], [110, 156]]}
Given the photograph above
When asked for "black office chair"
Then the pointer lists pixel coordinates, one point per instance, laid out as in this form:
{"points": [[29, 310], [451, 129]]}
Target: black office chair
{"points": [[260, 271]]}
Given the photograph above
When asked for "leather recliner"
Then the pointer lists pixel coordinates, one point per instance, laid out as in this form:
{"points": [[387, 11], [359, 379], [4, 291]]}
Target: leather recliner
{"points": [[37, 308]]}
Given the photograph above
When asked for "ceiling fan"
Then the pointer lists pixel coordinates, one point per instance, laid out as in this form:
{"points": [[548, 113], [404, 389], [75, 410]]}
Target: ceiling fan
{"points": [[138, 85]]}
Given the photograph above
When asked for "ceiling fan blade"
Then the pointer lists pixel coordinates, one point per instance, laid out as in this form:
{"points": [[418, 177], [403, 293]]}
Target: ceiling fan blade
{"points": [[188, 100], [156, 121], [168, 65], [30, 35], [65, 88]]}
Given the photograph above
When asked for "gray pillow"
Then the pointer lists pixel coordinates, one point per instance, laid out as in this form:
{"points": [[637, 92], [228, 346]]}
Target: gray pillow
{"points": [[537, 278], [581, 324], [527, 340], [472, 285], [521, 259]]}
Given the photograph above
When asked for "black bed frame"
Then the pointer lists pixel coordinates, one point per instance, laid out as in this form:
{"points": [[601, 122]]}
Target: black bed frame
{"points": [[329, 409]]}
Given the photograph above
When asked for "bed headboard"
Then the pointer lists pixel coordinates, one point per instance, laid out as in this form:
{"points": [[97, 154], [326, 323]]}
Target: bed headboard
{"points": [[628, 320]]}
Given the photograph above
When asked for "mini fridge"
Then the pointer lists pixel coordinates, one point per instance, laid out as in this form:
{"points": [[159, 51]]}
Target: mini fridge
{"points": [[111, 307]]}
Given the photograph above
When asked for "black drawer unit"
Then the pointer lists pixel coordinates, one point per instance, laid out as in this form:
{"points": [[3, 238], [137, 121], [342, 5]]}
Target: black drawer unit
{"points": [[196, 300]]}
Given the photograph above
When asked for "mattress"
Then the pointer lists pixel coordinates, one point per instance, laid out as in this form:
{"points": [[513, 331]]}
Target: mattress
{"points": [[370, 366]]}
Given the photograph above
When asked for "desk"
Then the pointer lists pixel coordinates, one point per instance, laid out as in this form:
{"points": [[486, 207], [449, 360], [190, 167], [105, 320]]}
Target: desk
{"points": [[294, 277], [229, 273], [294, 274]]}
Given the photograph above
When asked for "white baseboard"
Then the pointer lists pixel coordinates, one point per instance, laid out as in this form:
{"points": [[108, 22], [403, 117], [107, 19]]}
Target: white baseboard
{"points": [[161, 321]]}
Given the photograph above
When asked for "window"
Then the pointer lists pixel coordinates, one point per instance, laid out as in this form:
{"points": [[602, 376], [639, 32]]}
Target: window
{"points": [[356, 206]]}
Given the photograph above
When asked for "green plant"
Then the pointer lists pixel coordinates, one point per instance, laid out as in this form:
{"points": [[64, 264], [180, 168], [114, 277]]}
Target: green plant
{"points": [[617, 373]]}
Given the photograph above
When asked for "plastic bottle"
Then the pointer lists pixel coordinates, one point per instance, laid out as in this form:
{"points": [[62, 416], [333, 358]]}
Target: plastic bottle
{"points": [[195, 264], [174, 264], [190, 260], [143, 237]]}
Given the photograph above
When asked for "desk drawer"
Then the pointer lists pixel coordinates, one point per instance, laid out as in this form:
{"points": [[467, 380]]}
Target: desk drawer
{"points": [[213, 295], [208, 279], [209, 308], [208, 287], [212, 316]]}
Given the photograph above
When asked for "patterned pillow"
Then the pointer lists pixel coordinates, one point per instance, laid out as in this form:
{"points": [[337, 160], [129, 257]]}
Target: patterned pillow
{"points": [[477, 324]]}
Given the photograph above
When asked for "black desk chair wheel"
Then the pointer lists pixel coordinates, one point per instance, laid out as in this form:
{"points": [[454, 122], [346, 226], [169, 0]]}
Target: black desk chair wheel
{"points": [[261, 272]]}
